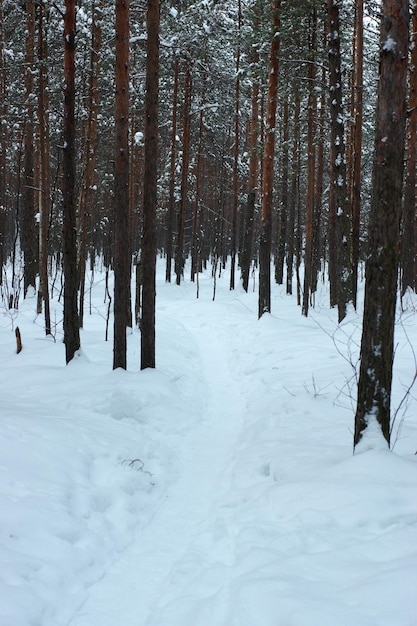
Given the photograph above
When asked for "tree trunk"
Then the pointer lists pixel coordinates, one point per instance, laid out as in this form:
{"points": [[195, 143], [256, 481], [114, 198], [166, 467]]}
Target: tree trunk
{"points": [[122, 270], [375, 376], [28, 233], [357, 145], [87, 193], [44, 158], [311, 165], [264, 303], [283, 221], [2, 150], [246, 255], [236, 157], [338, 165], [408, 237], [179, 255], [150, 186], [173, 158], [293, 204], [71, 320]]}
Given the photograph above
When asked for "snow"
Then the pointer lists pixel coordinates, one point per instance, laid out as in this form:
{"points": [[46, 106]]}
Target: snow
{"points": [[219, 489], [389, 44]]}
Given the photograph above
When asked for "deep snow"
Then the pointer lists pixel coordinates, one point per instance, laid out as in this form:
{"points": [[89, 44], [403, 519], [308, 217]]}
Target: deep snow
{"points": [[219, 489]]}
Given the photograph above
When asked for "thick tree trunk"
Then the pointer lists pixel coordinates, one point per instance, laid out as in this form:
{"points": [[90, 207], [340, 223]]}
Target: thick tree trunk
{"points": [[408, 237], [150, 187], [122, 265], [264, 303], [375, 376], [71, 320]]}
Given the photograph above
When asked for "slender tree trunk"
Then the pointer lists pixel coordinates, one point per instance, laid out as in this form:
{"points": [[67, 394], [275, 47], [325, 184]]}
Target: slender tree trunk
{"points": [[357, 145], [338, 165], [375, 376], [293, 196], [311, 166], [122, 269], [236, 157], [173, 158], [2, 149], [28, 232], [44, 158], [87, 193], [408, 236], [150, 186], [179, 256], [71, 320], [246, 255], [264, 303], [196, 239], [283, 221]]}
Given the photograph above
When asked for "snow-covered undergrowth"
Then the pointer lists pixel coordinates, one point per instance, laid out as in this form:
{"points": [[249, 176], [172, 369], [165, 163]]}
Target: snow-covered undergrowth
{"points": [[219, 489]]}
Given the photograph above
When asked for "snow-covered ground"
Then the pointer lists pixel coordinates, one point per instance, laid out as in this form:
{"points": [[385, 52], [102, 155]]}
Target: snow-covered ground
{"points": [[219, 489]]}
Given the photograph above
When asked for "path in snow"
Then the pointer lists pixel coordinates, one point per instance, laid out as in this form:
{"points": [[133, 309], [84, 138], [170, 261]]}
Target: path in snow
{"points": [[164, 564]]}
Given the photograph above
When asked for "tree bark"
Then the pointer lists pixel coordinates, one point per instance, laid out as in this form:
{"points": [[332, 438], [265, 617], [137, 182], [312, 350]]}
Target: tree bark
{"points": [[44, 158], [264, 303], [246, 254], [71, 320], [408, 236], [311, 165], [179, 254], [150, 187], [357, 145], [375, 376], [338, 165], [122, 269], [173, 158], [236, 157], [28, 233]]}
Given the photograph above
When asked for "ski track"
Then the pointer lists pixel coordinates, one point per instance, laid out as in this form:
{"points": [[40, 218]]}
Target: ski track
{"points": [[153, 574]]}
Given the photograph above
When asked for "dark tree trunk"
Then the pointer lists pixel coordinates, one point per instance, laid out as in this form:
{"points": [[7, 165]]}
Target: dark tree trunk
{"points": [[408, 237], [71, 320], [236, 158], [375, 376], [283, 221], [179, 254], [122, 270], [171, 198], [311, 165], [293, 197], [2, 149], [87, 192], [28, 232], [357, 145], [150, 187], [44, 156], [264, 303], [338, 165], [246, 254]]}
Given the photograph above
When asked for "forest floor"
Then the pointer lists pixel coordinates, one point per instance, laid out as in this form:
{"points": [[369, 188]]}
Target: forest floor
{"points": [[219, 489]]}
